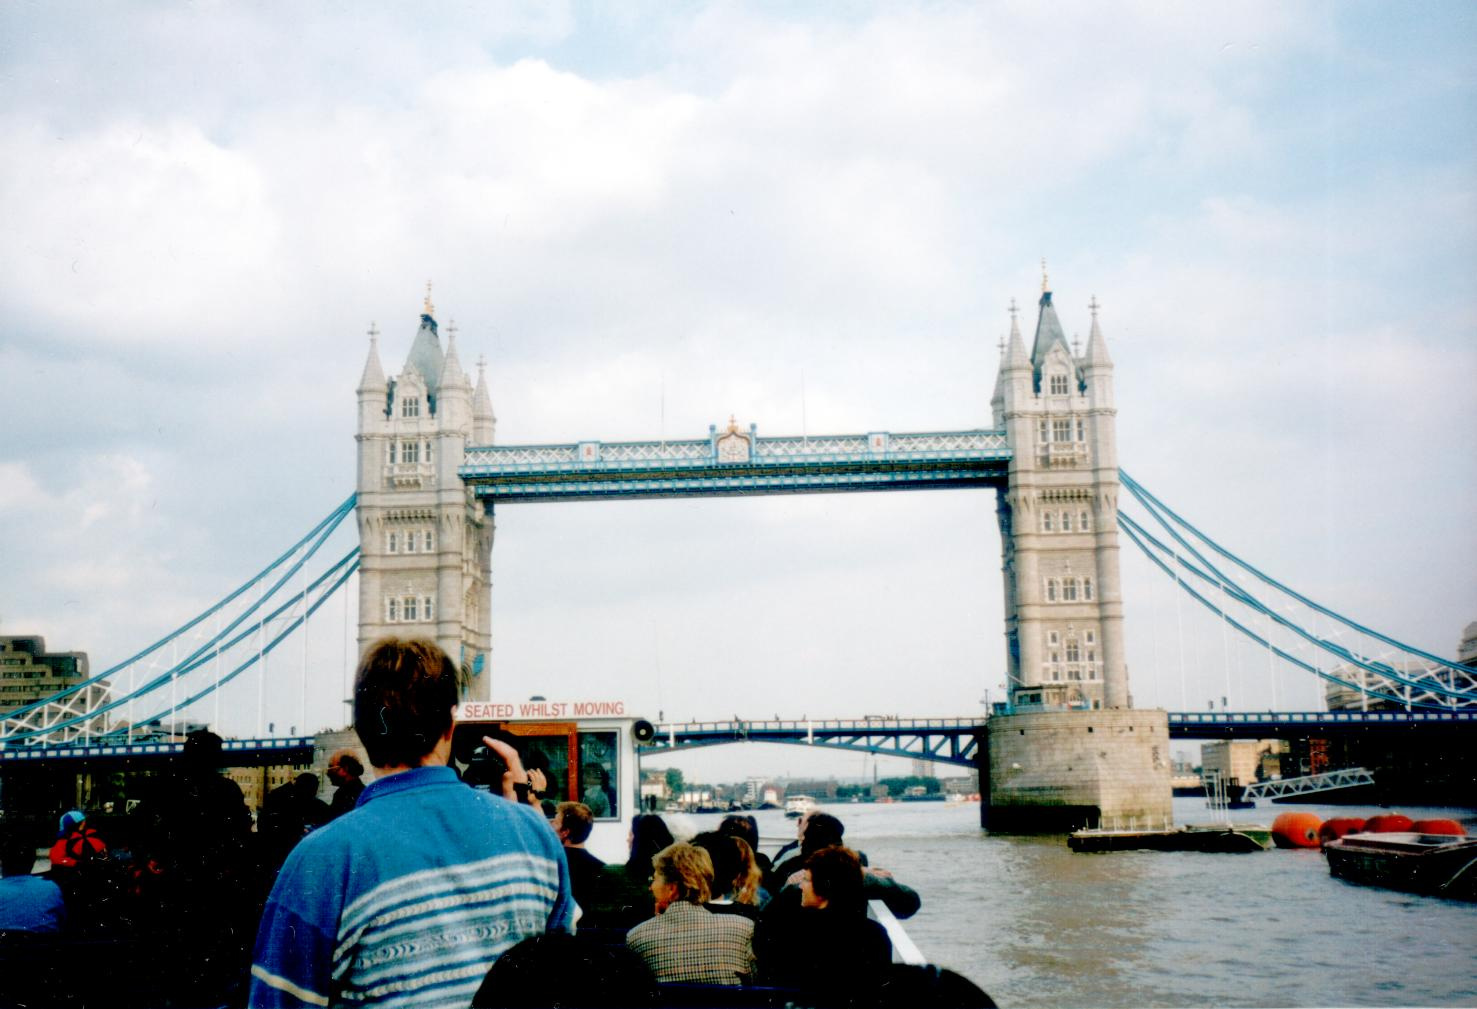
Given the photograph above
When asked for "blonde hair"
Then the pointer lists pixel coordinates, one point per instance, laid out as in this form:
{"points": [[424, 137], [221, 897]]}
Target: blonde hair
{"points": [[750, 876], [688, 868]]}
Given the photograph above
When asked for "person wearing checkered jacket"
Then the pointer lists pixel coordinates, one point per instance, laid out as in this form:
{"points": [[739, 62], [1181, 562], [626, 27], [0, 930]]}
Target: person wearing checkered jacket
{"points": [[685, 941]]}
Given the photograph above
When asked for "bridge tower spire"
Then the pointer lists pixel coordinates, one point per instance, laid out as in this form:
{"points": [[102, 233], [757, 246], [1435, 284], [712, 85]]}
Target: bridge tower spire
{"points": [[425, 541], [1058, 519]]}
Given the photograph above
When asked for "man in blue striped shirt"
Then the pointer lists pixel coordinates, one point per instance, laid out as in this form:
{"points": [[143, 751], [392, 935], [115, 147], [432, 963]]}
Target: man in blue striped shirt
{"points": [[408, 899]]}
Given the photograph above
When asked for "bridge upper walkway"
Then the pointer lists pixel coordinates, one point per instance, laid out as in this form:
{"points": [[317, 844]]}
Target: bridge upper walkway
{"points": [[736, 462]]}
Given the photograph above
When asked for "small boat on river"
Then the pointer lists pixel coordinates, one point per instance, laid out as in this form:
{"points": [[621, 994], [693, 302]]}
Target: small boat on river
{"points": [[799, 805], [1217, 838], [1437, 865]]}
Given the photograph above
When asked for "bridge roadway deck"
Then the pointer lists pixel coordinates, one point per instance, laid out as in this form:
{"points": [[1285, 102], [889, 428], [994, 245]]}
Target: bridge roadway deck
{"points": [[945, 740], [266, 751]]}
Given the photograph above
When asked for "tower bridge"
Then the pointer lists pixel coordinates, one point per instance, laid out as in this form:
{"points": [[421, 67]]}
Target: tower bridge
{"points": [[431, 477]]}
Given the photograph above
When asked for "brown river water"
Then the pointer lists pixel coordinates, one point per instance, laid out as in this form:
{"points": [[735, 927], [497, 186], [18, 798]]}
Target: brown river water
{"points": [[1034, 924]]}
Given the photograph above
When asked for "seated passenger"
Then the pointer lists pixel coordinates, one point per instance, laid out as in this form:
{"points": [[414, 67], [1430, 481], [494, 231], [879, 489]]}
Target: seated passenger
{"points": [[826, 944], [746, 827], [822, 830], [28, 904], [622, 892], [573, 822], [686, 941], [736, 888]]}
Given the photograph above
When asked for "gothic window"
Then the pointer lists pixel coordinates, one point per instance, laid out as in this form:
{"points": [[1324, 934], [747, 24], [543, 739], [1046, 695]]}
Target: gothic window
{"points": [[392, 610], [1091, 656], [393, 446], [1087, 589], [428, 541], [392, 543], [1061, 430], [1082, 522], [1074, 674], [1041, 431], [428, 451], [1081, 430], [1051, 590], [429, 612], [410, 406], [1069, 590], [410, 609], [410, 452], [1074, 654], [1066, 522], [1058, 385], [1056, 674], [1091, 637], [1047, 521], [410, 539], [1052, 638]]}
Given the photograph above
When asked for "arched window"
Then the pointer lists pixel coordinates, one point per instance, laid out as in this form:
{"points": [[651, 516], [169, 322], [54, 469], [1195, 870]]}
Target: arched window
{"points": [[428, 541], [1081, 430], [1082, 521], [1041, 431], [410, 543], [428, 451], [427, 608], [392, 543], [1066, 522], [392, 447], [1047, 520]]}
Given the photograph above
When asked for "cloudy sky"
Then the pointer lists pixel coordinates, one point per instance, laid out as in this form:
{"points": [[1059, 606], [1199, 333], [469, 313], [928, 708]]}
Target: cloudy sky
{"points": [[650, 217]]}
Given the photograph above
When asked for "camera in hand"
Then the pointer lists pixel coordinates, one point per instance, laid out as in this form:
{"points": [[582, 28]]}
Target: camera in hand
{"points": [[486, 769]]}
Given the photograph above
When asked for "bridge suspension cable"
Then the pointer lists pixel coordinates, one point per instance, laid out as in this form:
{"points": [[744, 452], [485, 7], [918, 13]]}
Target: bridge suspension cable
{"points": [[1418, 679], [74, 712]]}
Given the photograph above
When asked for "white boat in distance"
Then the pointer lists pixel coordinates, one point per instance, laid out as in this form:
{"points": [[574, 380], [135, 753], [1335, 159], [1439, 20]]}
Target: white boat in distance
{"points": [[799, 805]]}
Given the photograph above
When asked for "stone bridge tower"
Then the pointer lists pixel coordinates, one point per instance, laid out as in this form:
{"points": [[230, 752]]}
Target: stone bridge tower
{"points": [[1058, 519], [425, 543]]}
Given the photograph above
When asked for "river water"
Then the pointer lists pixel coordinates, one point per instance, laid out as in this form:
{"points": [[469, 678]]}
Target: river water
{"points": [[1034, 924]]}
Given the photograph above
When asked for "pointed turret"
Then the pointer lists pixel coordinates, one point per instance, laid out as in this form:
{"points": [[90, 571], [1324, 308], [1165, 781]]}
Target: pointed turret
{"points": [[1015, 355], [454, 405], [425, 352], [484, 424], [1097, 347], [373, 379]]}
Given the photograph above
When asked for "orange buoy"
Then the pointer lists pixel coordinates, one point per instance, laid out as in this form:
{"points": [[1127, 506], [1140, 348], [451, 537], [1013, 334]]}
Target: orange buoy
{"points": [[1439, 826], [1387, 823], [1296, 830], [1339, 826]]}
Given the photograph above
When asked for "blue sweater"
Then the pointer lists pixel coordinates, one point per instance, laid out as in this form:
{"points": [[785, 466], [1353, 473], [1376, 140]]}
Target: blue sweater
{"points": [[407, 900]]}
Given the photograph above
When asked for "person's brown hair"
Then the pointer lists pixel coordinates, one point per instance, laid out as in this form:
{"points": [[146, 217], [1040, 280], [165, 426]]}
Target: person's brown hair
{"points": [[404, 693], [578, 820], [836, 875], [349, 762], [689, 868]]}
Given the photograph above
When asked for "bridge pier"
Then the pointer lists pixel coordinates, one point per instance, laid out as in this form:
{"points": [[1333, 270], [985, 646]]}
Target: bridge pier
{"points": [[1045, 772]]}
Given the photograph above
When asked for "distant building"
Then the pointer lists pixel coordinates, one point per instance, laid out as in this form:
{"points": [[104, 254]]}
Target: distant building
{"points": [[29, 673], [653, 787], [814, 787], [1241, 762], [1466, 652]]}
